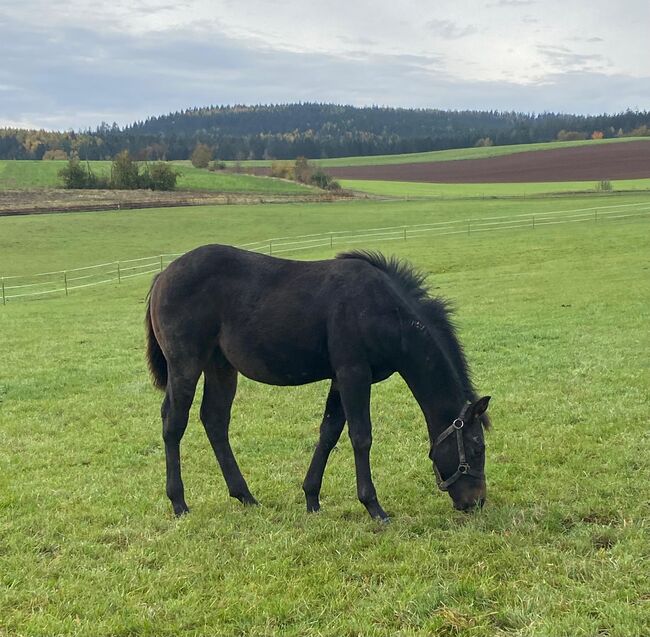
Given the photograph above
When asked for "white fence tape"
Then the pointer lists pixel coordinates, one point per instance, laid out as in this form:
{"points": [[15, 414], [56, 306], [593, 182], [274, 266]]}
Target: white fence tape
{"points": [[63, 281]]}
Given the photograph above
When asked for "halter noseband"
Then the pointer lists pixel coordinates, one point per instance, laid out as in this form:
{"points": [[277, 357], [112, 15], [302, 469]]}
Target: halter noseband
{"points": [[463, 466]]}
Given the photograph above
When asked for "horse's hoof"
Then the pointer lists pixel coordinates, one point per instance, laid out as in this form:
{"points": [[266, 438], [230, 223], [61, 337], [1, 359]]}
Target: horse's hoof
{"points": [[313, 504], [385, 520], [179, 512]]}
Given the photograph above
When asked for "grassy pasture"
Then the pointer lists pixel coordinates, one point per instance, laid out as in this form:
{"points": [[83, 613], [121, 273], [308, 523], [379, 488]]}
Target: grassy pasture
{"points": [[553, 323], [20, 174], [40, 243], [447, 155]]}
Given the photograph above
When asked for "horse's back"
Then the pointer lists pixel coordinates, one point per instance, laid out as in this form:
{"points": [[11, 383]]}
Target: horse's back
{"points": [[275, 320]]}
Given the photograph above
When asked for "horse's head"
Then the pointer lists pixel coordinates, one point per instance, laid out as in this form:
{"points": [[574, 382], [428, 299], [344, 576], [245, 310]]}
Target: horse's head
{"points": [[458, 456]]}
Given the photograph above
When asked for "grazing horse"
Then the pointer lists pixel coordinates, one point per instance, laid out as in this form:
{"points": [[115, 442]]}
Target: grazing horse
{"points": [[355, 319]]}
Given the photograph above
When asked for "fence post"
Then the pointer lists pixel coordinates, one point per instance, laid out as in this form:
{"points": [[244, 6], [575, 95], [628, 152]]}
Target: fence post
{"points": [[4, 298], [533, 222], [270, 246], [65, 282], [331, 239], [596, 215], [161, 265], [468, 226], [404, 233], [119, 279]]}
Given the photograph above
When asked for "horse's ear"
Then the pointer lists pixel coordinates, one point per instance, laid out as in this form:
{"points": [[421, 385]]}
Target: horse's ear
{"points": [[481, 405]]}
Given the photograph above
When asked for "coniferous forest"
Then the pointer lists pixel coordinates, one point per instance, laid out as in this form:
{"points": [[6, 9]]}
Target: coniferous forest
{"points": [[286, 131]]}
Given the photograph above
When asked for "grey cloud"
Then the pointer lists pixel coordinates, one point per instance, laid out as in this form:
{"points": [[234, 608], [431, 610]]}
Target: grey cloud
{"points": [[85, 77], [591, 40], [511, 3], [450, 30], [570, 60], [360, 41]]}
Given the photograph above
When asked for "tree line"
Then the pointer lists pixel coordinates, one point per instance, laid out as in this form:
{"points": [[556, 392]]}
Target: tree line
{"points": [[287, 131]]}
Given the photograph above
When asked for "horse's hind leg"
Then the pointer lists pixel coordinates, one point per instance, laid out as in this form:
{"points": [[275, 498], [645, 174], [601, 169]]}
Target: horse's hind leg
{"points": [[175, 413], [330, 432], [219, 392]]}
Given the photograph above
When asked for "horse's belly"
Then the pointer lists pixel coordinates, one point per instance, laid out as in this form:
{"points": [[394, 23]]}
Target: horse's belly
{"points": [[283, 365], [274, 374]]}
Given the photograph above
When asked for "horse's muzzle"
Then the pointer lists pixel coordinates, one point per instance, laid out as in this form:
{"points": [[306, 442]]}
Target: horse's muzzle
{"points": [[470, 505]]}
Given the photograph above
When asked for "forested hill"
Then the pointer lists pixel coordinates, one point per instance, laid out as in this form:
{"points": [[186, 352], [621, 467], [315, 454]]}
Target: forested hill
{"points": [[315, 130]]}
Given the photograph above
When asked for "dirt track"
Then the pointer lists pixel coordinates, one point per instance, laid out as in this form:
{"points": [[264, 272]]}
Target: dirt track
{"points": [[26, 202], [626, 160]]}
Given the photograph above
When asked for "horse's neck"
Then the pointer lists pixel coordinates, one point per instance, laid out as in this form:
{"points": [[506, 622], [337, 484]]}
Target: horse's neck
{"points": [[433, 380]]}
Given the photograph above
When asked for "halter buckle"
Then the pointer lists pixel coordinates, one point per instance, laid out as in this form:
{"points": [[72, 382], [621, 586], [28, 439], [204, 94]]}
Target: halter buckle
{"points": [[459, 423], [463, 467]]}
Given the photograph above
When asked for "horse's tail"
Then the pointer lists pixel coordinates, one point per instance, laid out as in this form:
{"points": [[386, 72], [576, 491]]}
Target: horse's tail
{"points": [[155, 357]]}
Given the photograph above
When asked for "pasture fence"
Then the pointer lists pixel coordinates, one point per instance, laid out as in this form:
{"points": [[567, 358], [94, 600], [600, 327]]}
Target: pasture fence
{"points": [[63, 282]]}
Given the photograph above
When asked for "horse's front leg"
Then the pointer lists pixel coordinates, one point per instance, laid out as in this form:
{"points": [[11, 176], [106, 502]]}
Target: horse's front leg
{"points": [[354, 385], [330, 432]]}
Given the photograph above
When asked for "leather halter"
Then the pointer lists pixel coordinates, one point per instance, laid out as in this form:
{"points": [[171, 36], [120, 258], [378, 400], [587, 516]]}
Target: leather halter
{"points": [[463, 466]]}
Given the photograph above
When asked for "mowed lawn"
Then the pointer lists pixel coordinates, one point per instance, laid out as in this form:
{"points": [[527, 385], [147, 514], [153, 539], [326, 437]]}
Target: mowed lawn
{"points": [[554, 322], [21, 174]]}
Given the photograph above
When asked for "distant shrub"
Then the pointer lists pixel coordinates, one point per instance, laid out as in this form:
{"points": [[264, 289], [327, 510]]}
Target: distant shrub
{"points": [[604, 185], [484, 141], [74, 175], [322, 180], [597, 134], [570, 136], [282, 169], [97, 182], [303, 171], [159, 176], [306, 173], [217, 165], [125, 174], [79, 176], [57, 153], [641, 131], [201, 156]]}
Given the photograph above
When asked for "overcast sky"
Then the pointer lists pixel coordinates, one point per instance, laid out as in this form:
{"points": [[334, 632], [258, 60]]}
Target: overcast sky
{"points": [[76, 64]]}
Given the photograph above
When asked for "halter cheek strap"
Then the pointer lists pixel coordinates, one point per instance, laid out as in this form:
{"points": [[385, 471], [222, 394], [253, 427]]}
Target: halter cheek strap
{"points": [[463, 466]]}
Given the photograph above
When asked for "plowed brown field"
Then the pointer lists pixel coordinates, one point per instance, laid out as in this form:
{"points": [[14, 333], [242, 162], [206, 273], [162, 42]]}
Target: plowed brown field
{"points": [[629, 160]]}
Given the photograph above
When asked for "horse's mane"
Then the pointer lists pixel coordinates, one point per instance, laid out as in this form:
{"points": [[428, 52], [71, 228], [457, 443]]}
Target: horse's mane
{"points": [[436, 311], [406, 275]]}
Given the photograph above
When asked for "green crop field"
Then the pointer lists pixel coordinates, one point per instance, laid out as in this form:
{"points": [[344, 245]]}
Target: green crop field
{"points": [[455, 191], [447, 155], [554, 321], [21, 174]]}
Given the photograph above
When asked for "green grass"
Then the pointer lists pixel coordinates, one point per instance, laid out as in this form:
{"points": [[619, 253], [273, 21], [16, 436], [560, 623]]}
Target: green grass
{"points": [[448, 155], [428, 190], [40, 243], [21, 174], [554, 323]]}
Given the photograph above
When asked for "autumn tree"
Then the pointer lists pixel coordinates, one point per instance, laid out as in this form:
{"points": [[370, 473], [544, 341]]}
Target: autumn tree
{"points": [[201, 156]]}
